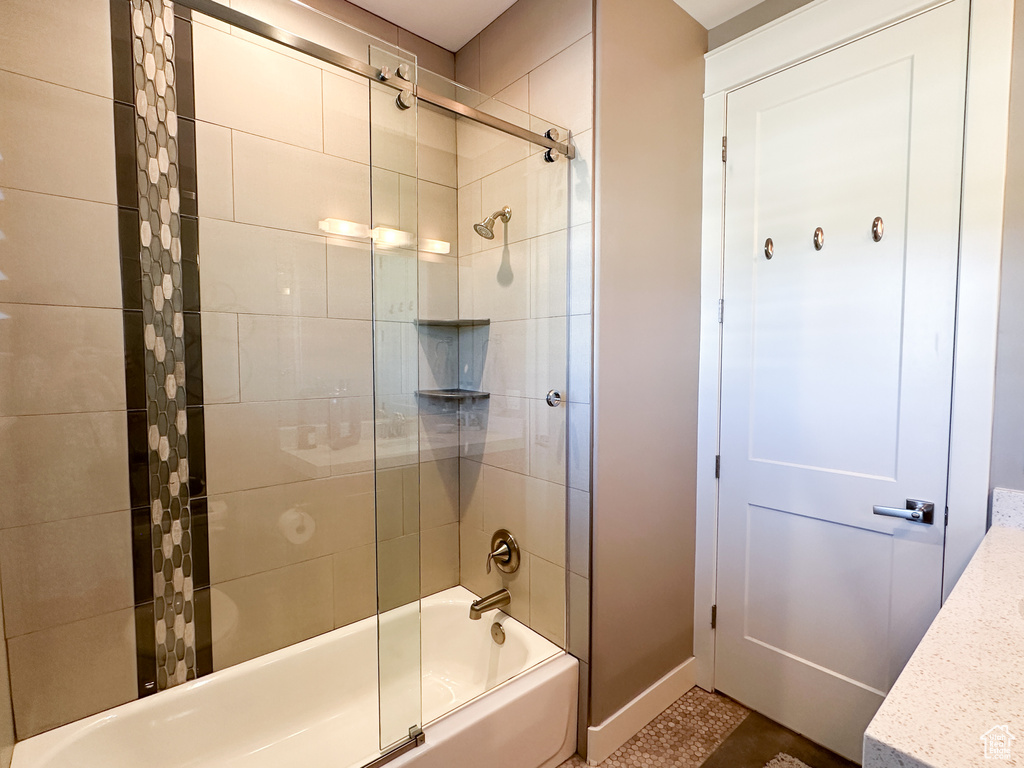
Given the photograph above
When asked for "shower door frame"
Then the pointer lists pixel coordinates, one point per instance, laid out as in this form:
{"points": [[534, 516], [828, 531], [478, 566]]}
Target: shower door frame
{"points": [[810, 31]]}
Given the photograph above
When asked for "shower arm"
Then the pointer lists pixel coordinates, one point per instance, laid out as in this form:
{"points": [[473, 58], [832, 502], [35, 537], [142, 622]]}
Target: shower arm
{"points": [[382, 76]]}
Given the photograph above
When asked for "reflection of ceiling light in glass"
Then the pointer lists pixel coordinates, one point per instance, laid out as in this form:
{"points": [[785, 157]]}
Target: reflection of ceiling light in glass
{"points": [[344, 228], [435, 246], [394, 238]]}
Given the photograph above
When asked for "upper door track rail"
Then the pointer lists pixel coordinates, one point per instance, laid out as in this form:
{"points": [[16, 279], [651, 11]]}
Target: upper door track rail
{"points": [[348, 63]]}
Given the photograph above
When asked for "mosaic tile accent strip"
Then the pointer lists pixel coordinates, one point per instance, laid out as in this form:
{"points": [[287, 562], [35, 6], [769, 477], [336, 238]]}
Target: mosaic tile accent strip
{"points": [[156, 128], [683, 736]]}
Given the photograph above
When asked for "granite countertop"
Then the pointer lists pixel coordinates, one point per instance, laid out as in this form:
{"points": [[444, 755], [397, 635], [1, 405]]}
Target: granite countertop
{"points": [[963, 688]]}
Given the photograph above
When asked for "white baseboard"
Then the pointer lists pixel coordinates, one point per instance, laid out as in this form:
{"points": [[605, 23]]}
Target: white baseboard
{"points": [[604, 739]]}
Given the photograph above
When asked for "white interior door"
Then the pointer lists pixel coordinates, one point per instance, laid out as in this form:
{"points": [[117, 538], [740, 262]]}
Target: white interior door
{"points": [[837, 367]]}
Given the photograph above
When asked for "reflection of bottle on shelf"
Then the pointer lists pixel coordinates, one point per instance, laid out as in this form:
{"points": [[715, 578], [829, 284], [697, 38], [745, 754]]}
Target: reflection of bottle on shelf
{"points": [[306, 434], [346, 424]]}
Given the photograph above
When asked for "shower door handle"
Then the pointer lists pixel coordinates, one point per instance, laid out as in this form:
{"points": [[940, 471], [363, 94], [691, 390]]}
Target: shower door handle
{"points": [[916, 511]]}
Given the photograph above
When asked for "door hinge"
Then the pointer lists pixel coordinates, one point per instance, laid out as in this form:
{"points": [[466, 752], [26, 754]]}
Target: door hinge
{"points": [[724, 148], [947, 517], [718, 466], [721, 309], [714, 616]]}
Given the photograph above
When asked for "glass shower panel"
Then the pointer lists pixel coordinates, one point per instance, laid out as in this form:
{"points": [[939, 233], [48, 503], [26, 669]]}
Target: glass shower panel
{"points": [[394, 235]]}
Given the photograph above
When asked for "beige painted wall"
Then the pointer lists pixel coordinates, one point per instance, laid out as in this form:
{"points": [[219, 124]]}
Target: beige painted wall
{"points": [[1008, 434], [750, 20], [649, 124]]}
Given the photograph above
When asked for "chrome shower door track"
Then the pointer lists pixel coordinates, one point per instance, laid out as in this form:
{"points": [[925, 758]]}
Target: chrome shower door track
{"points": [[348, 63]]}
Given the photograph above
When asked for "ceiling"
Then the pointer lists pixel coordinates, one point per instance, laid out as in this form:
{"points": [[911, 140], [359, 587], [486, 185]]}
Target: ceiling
{"points": [[453, 23]]}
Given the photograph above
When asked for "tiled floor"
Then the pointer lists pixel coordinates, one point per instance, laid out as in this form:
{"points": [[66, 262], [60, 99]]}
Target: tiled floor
{"points": [[706, 730]]}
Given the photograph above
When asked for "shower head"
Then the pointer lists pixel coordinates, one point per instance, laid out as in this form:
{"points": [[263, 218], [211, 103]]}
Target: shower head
{"points": [[486, 228]]}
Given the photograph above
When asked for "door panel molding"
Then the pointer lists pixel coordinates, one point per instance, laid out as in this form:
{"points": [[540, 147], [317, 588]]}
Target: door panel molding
{"points": [[807, 32]]}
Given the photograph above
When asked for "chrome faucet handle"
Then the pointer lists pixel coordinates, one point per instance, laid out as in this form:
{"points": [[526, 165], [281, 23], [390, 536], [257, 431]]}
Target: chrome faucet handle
{"points": [[504, 552]]}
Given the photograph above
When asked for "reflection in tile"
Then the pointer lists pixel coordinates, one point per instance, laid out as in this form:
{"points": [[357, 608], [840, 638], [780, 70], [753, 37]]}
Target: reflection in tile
{"points": [[66, 673], [55, 467], [262, 271], [258, 614], [57, 573], [220, 349], [267, 528], [283, 358], [60, 359], [547, 441]]}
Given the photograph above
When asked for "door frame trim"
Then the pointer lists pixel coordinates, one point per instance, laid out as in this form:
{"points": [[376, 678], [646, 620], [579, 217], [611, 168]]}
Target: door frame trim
{"points": [[809, 31]]}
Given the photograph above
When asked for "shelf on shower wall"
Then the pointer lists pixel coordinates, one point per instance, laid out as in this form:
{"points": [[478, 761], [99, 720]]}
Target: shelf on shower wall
{"points": [[467, 323], [453, 394]]}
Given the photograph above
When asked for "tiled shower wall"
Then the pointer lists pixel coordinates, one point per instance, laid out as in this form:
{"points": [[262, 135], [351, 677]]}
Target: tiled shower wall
{"points": [[65, 524], [530, 65]]}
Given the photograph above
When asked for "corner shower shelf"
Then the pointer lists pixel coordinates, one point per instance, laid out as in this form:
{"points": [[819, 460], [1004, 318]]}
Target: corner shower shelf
{"points": [[460, 323], [467, 395]]}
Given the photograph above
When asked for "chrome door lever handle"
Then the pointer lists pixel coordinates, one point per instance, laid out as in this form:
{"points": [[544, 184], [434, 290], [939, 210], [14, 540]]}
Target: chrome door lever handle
{"points": [[916, 511]]}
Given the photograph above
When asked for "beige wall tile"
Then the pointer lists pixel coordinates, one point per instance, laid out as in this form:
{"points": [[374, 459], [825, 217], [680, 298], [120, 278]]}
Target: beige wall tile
{"points": [[220, 357], [392, 132], [579, 532], [286, 358], [518, 358], [579, 447], [484, 150], [251, 88], [267, 528], [581, 269], [438, 286], [545, 520], [547, 441], [438, 213], [516, 95], [439, 432], [397, 354], [578, 620], [41, 155], [278, 185], [258, 270], [347, 117], [548, 274], [398, 571], [537, 193], [581, 202], [437, 150], [60, 360], [392, 509], [355, 585], [562, 88], [428, 55], [57, 573], [471, 494], [82, 60], [467, 64], [439, 493], [340, 37], [497, 433], [45, 258], [547, 600], [6, 708], [66, 673], [272, 433], [213, 169], [349, 282], [273, 610], [440, 567], [56, 467], [580, 358], [495, 283], [523, 38], [470, 212]]}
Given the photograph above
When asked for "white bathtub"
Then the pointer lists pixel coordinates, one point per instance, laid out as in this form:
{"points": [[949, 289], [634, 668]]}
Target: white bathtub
{"points": [[315, 704]]}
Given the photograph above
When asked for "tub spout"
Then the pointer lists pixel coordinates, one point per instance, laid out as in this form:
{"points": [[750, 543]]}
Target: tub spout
{"points": [[496, 600]]}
